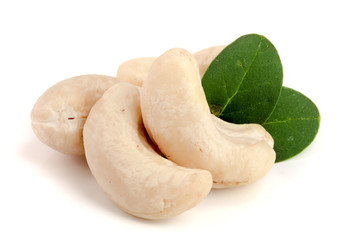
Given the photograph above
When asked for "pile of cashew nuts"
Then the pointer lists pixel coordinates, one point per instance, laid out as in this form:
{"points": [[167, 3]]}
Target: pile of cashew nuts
{"points": [[148, 135]]}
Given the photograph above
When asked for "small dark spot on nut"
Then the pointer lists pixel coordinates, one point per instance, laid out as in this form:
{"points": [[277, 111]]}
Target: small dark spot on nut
{"points": [[123, 110], [71, 118], [201, 150]]}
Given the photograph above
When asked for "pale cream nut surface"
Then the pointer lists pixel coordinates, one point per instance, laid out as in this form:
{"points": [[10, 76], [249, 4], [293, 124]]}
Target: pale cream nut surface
{"points": [[59, 114], [135, 70], [178, 119], [127, 168]]}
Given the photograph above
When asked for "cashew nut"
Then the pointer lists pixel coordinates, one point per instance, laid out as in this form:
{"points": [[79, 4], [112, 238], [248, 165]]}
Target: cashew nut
{"points": [[177, 117], [127, 168], [58, 116]]}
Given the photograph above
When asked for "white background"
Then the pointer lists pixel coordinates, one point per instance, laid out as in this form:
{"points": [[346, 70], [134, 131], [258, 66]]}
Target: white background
{"points": [[47, 195]]}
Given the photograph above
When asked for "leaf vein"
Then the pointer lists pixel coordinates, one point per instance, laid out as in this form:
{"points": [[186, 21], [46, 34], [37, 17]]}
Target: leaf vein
{"points": [[291, 119], [242, 79]]}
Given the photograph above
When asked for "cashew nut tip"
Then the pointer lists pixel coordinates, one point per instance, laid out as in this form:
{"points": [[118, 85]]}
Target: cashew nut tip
{"points": [[58, 116], [177, 117], [128, 169]]}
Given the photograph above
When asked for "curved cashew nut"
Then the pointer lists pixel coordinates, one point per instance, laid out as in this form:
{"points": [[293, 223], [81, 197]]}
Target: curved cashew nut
{"points": [[135, 70], [127, 168], [58, 116], [178, 119]]}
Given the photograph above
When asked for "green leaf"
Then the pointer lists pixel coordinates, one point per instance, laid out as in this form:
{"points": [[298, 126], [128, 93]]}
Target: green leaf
{"points": [[243, 83], [293, 124]]}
